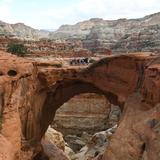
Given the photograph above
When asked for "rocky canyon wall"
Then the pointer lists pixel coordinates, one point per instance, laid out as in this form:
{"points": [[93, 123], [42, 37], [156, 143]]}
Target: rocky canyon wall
{"points": [[97, 35], [86, 113], [46, 47], [83, 113], [120, 36]]}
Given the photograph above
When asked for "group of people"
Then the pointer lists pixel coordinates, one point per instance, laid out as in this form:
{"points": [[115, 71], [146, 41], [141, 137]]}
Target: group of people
{"points": [[79, 61]]}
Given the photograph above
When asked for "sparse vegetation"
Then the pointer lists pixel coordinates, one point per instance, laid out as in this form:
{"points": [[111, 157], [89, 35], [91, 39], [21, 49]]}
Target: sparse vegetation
{"points": [[148, 43], [92, 60], [17, 49], [57, 65], [125, 36]]}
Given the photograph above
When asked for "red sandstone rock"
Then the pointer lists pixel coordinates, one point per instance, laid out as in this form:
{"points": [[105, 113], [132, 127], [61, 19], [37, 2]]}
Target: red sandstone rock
{"points": [[55, 137], [53, 152], [30, 94], [41, 48], [7, 151], [83, 113]]}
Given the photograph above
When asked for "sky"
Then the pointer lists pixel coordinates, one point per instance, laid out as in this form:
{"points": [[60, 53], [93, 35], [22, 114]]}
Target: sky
{"points": [[50, 14]]}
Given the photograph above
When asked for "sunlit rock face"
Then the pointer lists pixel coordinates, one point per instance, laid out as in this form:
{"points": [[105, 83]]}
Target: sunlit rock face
{"points": [[83, 113], [54, 145], [31, 92]]}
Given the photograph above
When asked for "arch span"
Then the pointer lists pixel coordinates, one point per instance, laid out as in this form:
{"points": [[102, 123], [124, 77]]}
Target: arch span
{"points": [[133, 79], [129, 79], [61, 92]]}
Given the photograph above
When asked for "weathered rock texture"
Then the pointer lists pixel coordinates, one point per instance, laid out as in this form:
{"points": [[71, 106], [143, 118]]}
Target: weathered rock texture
{"points": [[96, 146], [83, 113], [54, 145], [44, 47], [98, 35], [122, 35], [52, 152], [15, 98], [21, 31], [55, 138], [31, 93], [6, 149]]}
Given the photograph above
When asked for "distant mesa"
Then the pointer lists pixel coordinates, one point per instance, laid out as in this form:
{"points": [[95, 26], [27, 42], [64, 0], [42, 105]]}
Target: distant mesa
{"points": [[122, 35]]}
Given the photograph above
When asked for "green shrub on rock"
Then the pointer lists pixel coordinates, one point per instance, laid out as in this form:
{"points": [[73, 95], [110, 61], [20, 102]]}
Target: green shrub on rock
{"points": [[17, 49], [92, 60]]}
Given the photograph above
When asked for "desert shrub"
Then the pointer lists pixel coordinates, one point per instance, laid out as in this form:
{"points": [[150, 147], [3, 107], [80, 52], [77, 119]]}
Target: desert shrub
{"points": [[92, 60], [125, 36], [17, 49], [57, 65]]}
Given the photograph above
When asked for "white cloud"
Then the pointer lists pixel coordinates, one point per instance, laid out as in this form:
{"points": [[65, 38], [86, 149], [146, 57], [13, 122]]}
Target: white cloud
{"points": [[117, 8], [54, 16], [4, 11], [8, 1], [107, 9], [5, 7]]}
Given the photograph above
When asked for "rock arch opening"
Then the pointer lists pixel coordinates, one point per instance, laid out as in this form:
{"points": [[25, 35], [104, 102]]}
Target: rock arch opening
{"points": [[83, 116], [65, 91], [108, 77], [87, 112]]}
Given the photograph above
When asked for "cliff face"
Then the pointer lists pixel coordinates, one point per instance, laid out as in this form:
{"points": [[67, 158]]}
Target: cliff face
{"points": [[83, 113], [87, 112], [31, 92], [123, 35], [15, 91], [44, 47], [77, 31], [98, 35], [21, 31]]}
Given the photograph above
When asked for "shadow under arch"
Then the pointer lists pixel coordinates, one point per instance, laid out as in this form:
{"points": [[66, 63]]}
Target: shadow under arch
{"points": [[63, 91]]}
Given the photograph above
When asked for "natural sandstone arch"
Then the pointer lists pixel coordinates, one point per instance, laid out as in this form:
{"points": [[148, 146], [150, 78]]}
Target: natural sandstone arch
{"points": [[122, 79], [115, 77], [133, 79], [86, 112], [61, 93]]}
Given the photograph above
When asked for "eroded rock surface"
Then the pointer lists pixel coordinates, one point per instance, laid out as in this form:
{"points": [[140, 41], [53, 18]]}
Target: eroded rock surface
{"points": [[55, 137], [122, 35], [52, 152], [96, 145], [31, 96], [7, 151], [21, 31], [83, 113], [96, 35]]}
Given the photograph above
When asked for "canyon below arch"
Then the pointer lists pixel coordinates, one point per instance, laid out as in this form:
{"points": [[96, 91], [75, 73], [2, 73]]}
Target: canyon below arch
{"points": [[32, 91]]}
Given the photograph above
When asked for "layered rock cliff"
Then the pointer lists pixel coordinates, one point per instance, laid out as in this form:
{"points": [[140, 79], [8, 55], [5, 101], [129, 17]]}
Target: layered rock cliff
{"points": [[31, 92], [21, 31], [83, 113], [88, 112], [98, 35], [45, 47], [122, 35]]}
